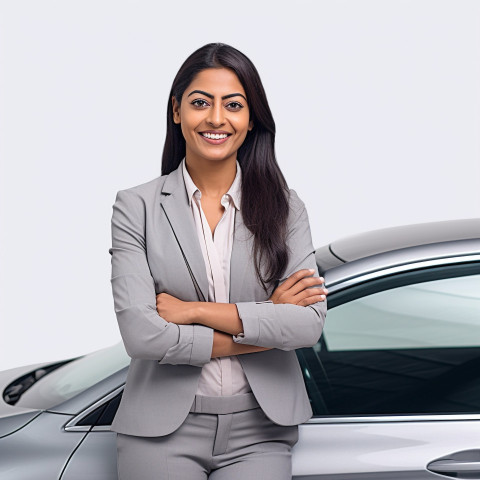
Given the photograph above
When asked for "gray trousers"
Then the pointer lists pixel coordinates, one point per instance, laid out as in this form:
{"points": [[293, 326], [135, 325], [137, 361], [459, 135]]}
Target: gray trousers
{"points": [[222, 438]]}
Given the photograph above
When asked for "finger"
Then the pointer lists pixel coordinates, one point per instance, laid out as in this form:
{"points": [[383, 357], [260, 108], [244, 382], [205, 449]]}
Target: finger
{"points": [[296, 277], [305, 283], [311, 300], [308, 292], [314, 291]]}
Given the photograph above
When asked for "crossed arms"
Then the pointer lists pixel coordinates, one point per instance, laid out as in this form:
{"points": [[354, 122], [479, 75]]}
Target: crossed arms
{"points": [[298, 289], [159, 328]]}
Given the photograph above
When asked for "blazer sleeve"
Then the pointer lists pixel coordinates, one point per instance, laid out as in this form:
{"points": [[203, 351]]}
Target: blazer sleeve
{"points": [[145, 334], [286, 326]]}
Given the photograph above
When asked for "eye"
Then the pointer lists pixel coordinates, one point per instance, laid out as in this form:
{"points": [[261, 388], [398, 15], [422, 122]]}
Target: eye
{"points": [[199, 103], [235, 105]]}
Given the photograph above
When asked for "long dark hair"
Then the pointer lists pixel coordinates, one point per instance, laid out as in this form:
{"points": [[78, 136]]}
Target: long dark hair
{"points": [[264, 204]]}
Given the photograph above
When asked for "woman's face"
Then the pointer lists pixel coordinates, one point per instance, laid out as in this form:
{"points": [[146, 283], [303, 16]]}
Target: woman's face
{"points": [[214, 115]]}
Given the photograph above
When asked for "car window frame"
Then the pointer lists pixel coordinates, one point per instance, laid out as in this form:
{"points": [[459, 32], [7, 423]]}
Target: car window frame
{"points": [[344, 291], [72, 424]]}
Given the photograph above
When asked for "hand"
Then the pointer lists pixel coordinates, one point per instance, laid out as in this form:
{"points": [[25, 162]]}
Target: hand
{"points": [[295, 289], [174, 310]]}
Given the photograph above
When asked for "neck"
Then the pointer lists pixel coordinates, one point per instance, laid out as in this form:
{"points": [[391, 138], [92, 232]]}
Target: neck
{"points": [[213, 178]]}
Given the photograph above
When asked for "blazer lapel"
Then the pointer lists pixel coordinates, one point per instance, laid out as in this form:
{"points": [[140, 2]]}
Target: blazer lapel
{"points": [[175, 204], [241, 261]]}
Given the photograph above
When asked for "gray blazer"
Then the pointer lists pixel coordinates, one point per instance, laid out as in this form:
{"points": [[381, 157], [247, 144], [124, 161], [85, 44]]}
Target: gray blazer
{"points": [[150, 222]]}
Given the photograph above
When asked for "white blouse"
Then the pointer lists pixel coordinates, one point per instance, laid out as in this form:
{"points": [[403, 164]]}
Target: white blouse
{"points": [[222, 375]]}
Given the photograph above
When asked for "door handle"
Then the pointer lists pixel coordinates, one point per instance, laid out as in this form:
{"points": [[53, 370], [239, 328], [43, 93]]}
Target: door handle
{"points": [[456, 468]]}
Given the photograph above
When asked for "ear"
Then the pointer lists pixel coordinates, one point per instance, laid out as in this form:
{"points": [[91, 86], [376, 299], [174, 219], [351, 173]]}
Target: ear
{"points": [[176, 110], [250, 125]]}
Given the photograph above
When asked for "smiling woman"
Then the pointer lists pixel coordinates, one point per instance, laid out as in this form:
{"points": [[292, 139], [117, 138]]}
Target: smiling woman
{"points": [[215, 285]]}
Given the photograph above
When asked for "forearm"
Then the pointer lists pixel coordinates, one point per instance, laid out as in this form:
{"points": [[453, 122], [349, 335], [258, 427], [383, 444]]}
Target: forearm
{"points": [[219, 316], [259, 325], [224, 346], [281, 326]]}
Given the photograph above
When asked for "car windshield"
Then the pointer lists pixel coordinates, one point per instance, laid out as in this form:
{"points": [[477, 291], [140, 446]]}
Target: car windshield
{"points": [[74, 377]]}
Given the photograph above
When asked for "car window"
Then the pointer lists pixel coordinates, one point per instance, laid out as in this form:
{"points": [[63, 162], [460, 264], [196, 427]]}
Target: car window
{"points": [[410, 349], [441, 313], [75, 377], [103, 415]]}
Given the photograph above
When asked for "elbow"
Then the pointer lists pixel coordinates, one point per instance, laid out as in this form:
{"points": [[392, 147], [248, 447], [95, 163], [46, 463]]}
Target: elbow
{"points": [[313, 338], [145, 335], [319, 314], [306, 342], [143, 350], [193, 347], [131, 349], [309, 334]]}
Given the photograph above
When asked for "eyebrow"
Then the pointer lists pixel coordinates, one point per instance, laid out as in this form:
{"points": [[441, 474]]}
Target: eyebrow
{"points": [[209, 95]]}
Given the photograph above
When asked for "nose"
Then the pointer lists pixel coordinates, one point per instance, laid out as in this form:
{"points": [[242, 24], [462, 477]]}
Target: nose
{"points": [[216, 115]]}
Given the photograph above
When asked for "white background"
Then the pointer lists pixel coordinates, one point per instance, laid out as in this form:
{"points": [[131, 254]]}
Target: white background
{"points": [[377, 106]]}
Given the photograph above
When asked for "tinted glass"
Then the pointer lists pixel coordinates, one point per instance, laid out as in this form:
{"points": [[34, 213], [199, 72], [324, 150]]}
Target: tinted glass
{"points": [[103, 415], [411, 349]]}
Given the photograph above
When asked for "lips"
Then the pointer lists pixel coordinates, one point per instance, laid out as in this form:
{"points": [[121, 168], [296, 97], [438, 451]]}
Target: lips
{"points": [[215, 137]]}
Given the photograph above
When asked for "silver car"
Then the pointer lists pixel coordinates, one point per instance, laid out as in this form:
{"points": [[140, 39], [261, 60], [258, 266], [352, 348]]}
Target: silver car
{"points": [[394, 381]]}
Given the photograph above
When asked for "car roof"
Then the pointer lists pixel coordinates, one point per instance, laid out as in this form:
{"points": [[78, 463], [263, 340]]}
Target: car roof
{"points": [[373, 242], [394, 238], [376, 249]]}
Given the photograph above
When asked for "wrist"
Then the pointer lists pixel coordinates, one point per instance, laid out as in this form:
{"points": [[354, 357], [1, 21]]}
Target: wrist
{"points": [[196, 312]]}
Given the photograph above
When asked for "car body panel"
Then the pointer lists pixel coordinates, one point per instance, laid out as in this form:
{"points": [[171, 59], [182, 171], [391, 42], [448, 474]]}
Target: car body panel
{"points": [[39, 451], [95, 458], [379, 450], [9, 376], [12, 417], [14, 421], [83, 400], [326, 260]]}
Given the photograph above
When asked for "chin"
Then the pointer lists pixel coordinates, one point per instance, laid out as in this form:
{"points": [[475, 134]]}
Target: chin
{"points": [[219, 157]]}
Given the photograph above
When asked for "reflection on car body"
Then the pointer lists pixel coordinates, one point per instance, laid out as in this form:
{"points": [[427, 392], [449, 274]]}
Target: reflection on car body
{"points": [[393, 381]]}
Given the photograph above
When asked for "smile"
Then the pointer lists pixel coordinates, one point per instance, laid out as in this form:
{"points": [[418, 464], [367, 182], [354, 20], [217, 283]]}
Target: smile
{"points": [[215, 135], [215, 138]]}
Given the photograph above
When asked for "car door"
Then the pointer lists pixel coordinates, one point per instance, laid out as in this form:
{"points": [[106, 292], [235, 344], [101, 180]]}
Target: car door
{"points": [[394, 381]]}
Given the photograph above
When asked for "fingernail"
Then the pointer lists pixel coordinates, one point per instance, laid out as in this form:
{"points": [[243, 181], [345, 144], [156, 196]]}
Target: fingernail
{"points": [[325, 290], [311, 270]]}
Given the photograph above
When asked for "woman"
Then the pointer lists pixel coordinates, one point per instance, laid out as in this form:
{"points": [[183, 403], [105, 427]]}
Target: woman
{"points": [[215, 285]]}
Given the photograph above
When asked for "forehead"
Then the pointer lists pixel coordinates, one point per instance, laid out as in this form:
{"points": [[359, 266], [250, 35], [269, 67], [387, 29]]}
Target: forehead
{"points": [[217, 81]]}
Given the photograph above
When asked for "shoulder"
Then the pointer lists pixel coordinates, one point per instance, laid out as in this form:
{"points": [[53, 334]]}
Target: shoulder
{"points": [[133, 204], [144, 192], [297, 216], [295, 203]]}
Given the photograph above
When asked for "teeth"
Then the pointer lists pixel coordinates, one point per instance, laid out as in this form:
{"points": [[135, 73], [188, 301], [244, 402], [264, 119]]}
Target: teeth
{"points": [[215, 136]]}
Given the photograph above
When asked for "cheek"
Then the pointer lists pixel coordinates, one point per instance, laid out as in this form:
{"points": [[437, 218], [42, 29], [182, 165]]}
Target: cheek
{"points": [[241, 124], [184, 132], [188, 122], [187, 129]]}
